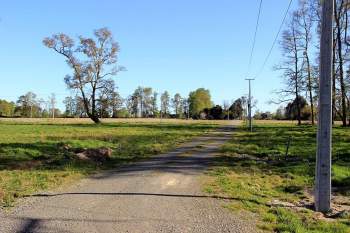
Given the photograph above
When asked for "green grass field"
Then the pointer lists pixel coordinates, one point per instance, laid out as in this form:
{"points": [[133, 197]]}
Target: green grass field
{"points": [[255, 170], [32, 158]]}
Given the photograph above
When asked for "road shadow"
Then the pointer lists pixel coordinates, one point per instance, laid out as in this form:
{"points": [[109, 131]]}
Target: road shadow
{"points": [[140, 194]]}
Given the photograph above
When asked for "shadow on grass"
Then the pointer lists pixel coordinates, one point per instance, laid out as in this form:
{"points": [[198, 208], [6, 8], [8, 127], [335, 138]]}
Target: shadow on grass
{"points": [[342, 186], [47, 152], [51, 154]]}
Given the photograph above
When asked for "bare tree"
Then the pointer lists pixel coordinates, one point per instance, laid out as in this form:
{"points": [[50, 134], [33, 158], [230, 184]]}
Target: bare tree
{"points": [[93, 61], [27, 105], [305, 20], [147, 101], [154, 103], [52, 101], [132, 104], [226, 106], [116, 102], [186, 107], [143, 99], [70, 105], [177, 104], [292, 64], [339, 14], [164, 103]]}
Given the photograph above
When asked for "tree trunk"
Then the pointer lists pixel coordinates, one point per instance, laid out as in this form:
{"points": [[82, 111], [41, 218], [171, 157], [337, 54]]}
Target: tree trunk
{"points": [[341, 71], [334, 112], [298, 107], [95, 119], [310, 89], [296, 60], [94, 115], [349, 108]]}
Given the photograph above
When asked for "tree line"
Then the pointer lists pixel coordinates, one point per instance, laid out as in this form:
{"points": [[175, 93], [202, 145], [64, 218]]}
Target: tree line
{"points": [[30, 106], [142, 103]]}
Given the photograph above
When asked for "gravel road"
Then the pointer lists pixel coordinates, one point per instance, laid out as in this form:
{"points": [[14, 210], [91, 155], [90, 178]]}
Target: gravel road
{"points": [[162, 194]]}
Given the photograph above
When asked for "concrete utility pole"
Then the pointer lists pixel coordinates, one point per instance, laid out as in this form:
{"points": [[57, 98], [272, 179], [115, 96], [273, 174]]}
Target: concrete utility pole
{"points": [[324, 134], [250, 105]]}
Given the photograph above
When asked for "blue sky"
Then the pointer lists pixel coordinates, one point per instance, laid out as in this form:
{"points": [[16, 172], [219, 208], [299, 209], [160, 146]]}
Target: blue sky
{"points": [[168, 45]]}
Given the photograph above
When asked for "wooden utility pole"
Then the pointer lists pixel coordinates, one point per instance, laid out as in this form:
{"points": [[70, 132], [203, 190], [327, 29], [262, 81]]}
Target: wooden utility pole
{"points": [[324, 134], [250, 105]]}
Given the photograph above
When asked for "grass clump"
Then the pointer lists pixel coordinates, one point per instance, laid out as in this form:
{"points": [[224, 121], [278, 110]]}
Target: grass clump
{"points": [[254, 170]]}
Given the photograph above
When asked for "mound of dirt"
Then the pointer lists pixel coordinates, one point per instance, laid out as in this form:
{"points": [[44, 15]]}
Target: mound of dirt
{"points": [[95, 154], [88, 154]]}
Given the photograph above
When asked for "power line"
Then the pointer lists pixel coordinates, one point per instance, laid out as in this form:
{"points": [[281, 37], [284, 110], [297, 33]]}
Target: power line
{"points": [[275, 40], [254, 38]]}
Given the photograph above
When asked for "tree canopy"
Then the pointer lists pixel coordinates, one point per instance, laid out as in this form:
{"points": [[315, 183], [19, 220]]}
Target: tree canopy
{"points": [[199, 100], [93, 61]]}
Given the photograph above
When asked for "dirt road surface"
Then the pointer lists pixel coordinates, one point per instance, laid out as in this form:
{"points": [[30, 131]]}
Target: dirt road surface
{"points": [[162, 194]]}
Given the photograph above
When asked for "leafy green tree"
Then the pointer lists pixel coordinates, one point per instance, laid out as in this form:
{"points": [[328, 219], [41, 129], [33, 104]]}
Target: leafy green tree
{"points": [[237, 108], [292, 113], [214, 113], [199, 100], [122, 113], [7, 109]]}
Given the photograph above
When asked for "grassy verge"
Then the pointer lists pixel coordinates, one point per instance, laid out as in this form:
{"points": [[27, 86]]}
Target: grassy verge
{"points": [[32, 158], [255, 171]]}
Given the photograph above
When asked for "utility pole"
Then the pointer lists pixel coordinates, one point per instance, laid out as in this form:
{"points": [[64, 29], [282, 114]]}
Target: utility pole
{"points": [[324, 134], [250, 105]]}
